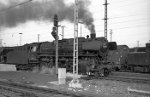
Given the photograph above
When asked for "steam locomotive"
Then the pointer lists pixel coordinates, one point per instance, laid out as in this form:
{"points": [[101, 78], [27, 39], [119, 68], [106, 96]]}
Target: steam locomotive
{"points": [[93, 53]]}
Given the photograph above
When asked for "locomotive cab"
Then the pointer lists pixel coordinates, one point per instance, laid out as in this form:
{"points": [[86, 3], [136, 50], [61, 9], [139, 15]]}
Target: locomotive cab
{"points": [[33, 50]]}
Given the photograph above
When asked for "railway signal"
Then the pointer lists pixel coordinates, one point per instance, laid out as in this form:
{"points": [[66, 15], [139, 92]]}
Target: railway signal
{"points": [[55, 20], [54, 33]]}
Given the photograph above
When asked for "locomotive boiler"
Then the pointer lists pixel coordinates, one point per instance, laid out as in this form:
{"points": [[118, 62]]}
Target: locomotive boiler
{"points": [[41, 56]]}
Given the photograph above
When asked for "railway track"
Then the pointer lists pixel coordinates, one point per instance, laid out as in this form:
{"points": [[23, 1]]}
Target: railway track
{"points": [[35, 91], [126, 77], [129, 77]]}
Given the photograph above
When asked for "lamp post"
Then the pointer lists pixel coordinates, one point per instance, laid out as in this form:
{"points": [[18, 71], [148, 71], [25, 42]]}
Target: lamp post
{"points": [[62, 31], [20, 38]]}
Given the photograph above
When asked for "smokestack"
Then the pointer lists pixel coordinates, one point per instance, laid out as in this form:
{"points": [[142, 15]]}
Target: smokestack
{"points": [[44, 11], [93, 35], [92, 29]]}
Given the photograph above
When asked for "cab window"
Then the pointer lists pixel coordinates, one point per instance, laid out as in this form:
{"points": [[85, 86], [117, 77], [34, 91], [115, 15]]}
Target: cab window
{"points": [[33, 49]]}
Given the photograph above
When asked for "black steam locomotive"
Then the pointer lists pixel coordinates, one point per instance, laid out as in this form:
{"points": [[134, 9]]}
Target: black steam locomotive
{"points": [[92, 55]]}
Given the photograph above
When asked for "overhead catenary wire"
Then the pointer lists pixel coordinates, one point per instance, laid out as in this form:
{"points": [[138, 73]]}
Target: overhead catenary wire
{"points": [[126, 16], [133, 21], [6, 9], [131, 4], [119, 1], [131, 27], [125, 27], [129, 21]]}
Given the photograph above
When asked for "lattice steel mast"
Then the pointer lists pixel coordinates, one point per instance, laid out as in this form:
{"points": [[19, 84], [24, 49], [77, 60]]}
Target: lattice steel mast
{"points": [[75, 51], [105, 19]]}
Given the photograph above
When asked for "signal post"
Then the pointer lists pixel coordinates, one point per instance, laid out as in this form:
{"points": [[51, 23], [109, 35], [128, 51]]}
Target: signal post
{"points": [[55, 35]]}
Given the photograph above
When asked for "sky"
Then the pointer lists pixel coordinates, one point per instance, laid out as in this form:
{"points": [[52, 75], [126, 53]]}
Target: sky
{"points": [[129, 20]]}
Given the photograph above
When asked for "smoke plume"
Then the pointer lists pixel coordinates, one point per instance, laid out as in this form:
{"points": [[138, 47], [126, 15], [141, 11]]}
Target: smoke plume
{"points": [[37, 11]]}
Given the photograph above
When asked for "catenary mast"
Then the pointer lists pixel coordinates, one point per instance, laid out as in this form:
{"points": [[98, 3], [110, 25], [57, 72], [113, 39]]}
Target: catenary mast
{"points": [[105, 19], [75, 49]]}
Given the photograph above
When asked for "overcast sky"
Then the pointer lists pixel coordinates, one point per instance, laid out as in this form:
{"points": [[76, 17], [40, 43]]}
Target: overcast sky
{"points": [[128, 19]]}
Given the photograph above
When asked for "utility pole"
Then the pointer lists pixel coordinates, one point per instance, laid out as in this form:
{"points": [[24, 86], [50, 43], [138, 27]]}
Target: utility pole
{"points": [[105, 19], [20, 38], [38, 37], [111, 32]]}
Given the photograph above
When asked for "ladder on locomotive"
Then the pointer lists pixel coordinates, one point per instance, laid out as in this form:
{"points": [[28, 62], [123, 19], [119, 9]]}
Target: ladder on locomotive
{"points": [[98, 60]]}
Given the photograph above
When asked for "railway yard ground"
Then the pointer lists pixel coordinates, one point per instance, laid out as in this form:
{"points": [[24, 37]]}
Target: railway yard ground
{"points": [[90, 88]]}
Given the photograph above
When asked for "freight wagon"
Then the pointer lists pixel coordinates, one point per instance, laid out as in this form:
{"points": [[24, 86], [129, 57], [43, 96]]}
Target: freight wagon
{"points": [[138, 60]]}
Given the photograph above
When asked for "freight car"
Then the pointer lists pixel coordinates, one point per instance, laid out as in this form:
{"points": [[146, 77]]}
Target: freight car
{"points": [[138, 59], [40, 56]]}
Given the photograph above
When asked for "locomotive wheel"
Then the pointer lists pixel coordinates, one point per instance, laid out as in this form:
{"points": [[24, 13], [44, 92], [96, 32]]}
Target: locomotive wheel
{"points": [[99, 73], [42, 65], [102, 73], [106, 72], [46, 68], [35, 69]]}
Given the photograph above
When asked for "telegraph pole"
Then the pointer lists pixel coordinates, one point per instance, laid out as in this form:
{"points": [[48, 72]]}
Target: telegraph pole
{"points": [[105, 19]]}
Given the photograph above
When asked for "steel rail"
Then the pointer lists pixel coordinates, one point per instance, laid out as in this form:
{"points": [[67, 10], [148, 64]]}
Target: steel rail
{"points": [[46, 92], [124, 77]]}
